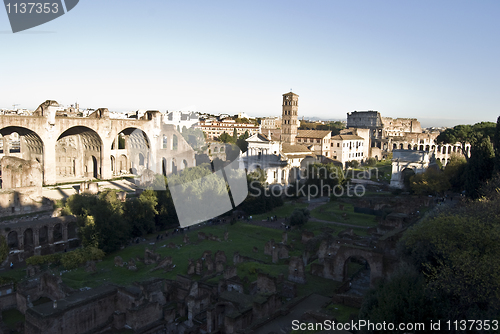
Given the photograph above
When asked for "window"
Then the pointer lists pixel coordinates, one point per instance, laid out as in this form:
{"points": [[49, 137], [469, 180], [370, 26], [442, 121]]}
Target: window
{"points": [[338, 144], [175, 142]]}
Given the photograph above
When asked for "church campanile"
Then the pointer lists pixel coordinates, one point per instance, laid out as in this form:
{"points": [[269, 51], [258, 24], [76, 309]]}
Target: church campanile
{"points": [[289, 117]]}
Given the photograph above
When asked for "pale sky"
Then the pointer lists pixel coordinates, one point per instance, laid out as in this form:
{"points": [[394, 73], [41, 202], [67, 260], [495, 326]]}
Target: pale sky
{"points": [[438, 61]]}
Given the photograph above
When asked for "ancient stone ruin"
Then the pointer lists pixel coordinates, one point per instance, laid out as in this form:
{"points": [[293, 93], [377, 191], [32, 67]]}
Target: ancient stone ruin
{"points": [[296, 272]]}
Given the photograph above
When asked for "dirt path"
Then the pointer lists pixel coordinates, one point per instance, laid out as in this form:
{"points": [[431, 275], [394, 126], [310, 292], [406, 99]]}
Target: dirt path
{"points": [[338, 224]]}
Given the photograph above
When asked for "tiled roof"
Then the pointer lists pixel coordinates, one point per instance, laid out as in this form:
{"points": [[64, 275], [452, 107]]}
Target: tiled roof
{"points": [[299, 156], [347, 137], [312, 133], [287, 148]]}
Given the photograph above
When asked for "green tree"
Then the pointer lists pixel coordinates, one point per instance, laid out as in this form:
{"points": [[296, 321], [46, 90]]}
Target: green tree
{"points": [[454, 172], [225, 138], [335, 127], [242, 143], [4, 249], [140, 213], [324, 176], [496, 145], [371, 162], [235, 135], [353, 163], [432, 181], [166, 216], [459, 255], [260, 198], [100, 220], [479, 167], [402, 298], [464, 134], [299, 217]]}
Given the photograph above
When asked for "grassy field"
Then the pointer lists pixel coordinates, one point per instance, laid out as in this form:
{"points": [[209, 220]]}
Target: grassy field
{"points": [[11, 318], [282, 211], [331, 212], [242, 238], [17, 274]]}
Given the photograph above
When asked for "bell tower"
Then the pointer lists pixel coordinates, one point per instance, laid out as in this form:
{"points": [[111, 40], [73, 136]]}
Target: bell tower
{"points": [[289, 117]]}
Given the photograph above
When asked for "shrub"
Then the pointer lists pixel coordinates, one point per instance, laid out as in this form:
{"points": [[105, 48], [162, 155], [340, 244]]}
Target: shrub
{"points": [[70, 260], [353, 163], [371, 162], [4, 249], [299, 217], [37, 260], [80, 256]]}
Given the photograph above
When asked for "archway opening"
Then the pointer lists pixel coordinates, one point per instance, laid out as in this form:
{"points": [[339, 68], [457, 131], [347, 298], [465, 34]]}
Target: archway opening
{"points": [[43, 236], [21, 143], [12, 240], [78, 154], [135, 154], [174, 167], [123, 165], [357, 272], [95, 168], [406, 174], [72, 230], [58, 232], [28, 240]]}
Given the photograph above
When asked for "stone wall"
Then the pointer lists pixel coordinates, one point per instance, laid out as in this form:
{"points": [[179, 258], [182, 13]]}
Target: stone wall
{"points": [[78, 313], [20, 173]]}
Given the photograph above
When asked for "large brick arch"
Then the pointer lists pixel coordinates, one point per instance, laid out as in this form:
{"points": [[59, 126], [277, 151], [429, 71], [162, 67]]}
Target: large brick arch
{"points": [[50, 130], [374, 259], [138, 148], [79, 153], [32, 145]]}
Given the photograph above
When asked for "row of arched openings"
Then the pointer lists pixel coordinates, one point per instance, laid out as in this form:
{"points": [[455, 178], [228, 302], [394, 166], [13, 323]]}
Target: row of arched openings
{"points": [[43, 236], [78, 150]]}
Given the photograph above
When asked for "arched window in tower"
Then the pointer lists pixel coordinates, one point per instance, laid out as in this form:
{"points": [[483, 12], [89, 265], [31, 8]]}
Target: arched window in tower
{"points": [[165, 141]]}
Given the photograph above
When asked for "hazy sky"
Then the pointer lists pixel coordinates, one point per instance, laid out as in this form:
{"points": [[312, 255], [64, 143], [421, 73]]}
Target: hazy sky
{"points": [[438, 61]]}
